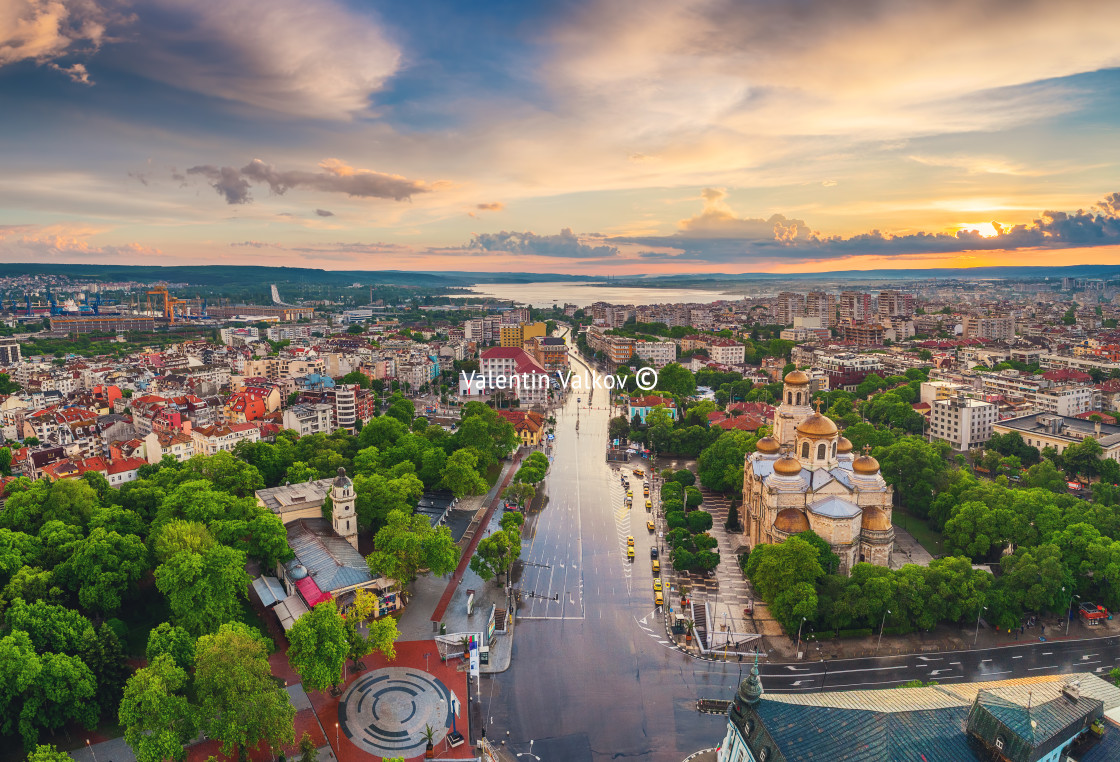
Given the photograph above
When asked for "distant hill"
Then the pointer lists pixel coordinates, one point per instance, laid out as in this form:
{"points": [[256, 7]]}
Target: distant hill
{"points": [[217, 275]]}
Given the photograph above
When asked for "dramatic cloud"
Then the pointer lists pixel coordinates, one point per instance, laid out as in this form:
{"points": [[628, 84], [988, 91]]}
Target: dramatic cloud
{"points": [[32, 243], [717, 220], [324, 212], [320, 60], [726, 238], [497, 206], [566, 245], [234, 184], [43, 30], [77, 73]]}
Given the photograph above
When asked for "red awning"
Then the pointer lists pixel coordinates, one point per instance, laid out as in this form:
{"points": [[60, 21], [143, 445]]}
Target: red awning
{"points": [[310, 592]]}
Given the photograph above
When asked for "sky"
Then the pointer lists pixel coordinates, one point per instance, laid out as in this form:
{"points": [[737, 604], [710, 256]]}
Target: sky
{"points": [[607, 137]]}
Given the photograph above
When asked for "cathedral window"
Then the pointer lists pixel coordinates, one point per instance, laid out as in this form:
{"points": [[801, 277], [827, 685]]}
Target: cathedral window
{"points": [[789, 397], [804, 449], [834, 449], [799, 398], [821, 449]]}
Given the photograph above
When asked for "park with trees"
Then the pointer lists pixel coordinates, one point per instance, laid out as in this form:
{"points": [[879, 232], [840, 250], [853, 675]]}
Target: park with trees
{"points": [[158, 570]]}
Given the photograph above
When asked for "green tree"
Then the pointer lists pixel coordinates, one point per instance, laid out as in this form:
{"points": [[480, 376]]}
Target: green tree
{"points": [[242, 705], [7, 386], [103, 654], [698, 521], [916, 470], [356, 377], [676, 379], [1045, 476], [1083, 458], [157, 717], [407, 544], [319, 647], [225, 472], [204, 589], [64, 691], [174, 641], [720, 466], [376, 496], [179, 535], [102, 567], [50, 627], [496, 553], [300, 472], [5, 461], [773, 568], [460, 474], [48, 753], [20, 667]]}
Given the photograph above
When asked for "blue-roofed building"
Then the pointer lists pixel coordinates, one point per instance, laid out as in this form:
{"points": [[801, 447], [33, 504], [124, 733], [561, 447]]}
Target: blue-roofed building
{"points": [[804, 476], [1035, 719]]}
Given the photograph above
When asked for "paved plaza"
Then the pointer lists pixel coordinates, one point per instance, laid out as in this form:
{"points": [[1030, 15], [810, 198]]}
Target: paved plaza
{"points": [[386, 711]]}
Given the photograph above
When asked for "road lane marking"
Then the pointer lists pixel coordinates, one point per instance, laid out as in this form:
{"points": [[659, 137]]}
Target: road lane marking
{"points": [[1050, 666]]}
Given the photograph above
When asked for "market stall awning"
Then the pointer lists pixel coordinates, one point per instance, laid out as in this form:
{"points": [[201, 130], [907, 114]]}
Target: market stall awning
{"points": [[269, 590]]}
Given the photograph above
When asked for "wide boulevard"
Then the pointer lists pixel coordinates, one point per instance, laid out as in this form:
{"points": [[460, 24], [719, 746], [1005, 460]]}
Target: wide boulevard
{"points": [[594, 676]]}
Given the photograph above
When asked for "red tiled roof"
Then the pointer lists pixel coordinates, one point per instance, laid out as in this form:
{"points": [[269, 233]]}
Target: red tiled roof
{"points": [[122, 465], [651, 401]]}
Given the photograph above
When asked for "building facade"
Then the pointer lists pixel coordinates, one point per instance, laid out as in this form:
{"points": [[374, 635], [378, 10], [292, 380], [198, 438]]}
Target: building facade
{"points": [[961, 421], [805, 477]]}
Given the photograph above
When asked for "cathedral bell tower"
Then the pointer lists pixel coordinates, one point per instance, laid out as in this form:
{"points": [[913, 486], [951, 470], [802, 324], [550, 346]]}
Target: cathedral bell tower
{"points": [[342, 513], [794, 408]]}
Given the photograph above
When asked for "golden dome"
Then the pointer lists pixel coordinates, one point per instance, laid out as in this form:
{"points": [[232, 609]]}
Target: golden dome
{"points": [[875, 519], [843, 444], [768, 445], [787, 465], [817, 426], [865, 464], [791, 521], [797, 378]]}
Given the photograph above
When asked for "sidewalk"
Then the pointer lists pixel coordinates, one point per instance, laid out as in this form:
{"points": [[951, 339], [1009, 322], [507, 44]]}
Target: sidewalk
{"points": [[468, 551]]}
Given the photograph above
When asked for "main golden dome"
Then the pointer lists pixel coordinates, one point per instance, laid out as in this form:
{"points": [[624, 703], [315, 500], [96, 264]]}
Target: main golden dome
{"points": [[787, 465], [768, 445], [791, 521], [843, 444], [875, 519], [817, 426], [797, 378], [865, 464]]}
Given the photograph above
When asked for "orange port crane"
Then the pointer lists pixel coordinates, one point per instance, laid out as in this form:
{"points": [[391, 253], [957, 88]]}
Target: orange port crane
{"points": [[169, 302]]}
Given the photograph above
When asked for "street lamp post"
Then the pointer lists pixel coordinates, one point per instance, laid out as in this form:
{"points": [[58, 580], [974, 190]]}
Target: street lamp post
{"points": [[797, 650], [881, 628], [91, 751], [979, 611], [1069, 610]]}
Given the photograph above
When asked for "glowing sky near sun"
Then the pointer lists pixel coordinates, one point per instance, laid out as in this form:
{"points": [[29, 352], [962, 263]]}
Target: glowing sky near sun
{"points": [[593, 136]]}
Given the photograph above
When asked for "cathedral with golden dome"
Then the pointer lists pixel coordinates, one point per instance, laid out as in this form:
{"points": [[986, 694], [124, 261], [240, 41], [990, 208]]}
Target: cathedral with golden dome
{"points": [[805, 476]]}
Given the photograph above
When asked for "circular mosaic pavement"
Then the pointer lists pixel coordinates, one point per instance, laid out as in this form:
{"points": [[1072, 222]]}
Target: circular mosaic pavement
{"points": [[385, 711]]}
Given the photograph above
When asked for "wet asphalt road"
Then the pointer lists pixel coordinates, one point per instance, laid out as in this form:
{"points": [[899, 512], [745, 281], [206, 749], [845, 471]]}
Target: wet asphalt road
{"points": [[593, 675]]}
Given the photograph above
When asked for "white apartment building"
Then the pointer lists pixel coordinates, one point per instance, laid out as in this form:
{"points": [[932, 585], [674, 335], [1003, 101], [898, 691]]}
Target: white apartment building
{"points": [[209, 440], [306, 419], [787, 306], [657, 353], [345, 406], [993, 328], [1066, 400], [726, 351], [854, 307], [961, 421]]}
